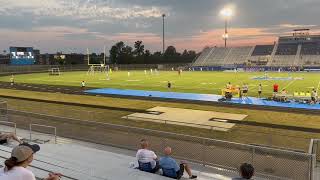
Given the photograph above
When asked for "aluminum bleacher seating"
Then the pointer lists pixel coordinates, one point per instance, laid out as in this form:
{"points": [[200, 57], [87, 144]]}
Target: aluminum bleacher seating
{"points": [[77, 162], [263, 50], [279, 55], [202, 58], [238, 55]]}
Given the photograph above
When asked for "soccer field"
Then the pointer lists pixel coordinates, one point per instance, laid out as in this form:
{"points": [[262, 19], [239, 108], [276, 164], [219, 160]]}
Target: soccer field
{"points": [[195, 82]]}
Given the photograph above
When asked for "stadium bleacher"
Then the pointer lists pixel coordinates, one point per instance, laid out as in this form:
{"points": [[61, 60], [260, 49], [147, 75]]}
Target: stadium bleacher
{"points": [[278, 55], [238, 55], [217, 57], [287, 49], [310, 49], [263, 50], [77, 162], [204, 56]]}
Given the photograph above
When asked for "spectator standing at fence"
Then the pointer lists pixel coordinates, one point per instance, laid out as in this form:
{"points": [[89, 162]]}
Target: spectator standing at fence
{"points": [[16, 166], [147, 158], [246, 171], [5, 137], [170, 167]]}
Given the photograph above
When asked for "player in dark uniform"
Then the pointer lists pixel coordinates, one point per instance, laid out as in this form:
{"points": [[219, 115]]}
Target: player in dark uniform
{"points": [[169, 85]]}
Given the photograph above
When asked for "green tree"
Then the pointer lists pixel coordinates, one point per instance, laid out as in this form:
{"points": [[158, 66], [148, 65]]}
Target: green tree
{"points": [[139, 48], [116, 51]]}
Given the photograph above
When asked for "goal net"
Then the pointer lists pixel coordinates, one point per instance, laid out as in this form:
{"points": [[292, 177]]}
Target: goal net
{"points": [[54, 72], [98, 69]]}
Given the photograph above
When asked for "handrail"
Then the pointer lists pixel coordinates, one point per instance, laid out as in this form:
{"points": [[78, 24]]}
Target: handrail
{"points": [[12, 123], [167, 133], [40, 125]]}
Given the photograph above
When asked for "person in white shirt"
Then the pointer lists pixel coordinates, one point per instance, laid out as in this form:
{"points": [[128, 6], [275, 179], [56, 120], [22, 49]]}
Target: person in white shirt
{"points": [[16, 166], [146, 156]]}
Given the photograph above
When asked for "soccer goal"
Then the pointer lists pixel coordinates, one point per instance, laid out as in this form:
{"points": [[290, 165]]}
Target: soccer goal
{"points": [[102, 68], [54, 72]]}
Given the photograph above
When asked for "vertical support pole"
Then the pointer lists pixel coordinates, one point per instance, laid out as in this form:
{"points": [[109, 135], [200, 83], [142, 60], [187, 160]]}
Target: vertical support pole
{"points": [[30, 132]]}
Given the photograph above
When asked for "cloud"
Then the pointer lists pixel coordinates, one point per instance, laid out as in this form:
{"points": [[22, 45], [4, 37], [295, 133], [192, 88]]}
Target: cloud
{"points": [[60, 24], [78, 9], [297, 25]]}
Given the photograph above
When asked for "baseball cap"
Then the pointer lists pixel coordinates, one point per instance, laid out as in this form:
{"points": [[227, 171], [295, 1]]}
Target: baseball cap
{"points": [[24, 151]]}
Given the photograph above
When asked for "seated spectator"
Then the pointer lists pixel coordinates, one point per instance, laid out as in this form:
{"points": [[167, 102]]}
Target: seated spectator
{"points": [[16, 166], [246, 172], [147, 159], [171, 169], [5, 137]]}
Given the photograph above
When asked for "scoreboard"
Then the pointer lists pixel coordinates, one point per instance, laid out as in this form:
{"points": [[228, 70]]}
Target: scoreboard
{"points": [[21, 56]]}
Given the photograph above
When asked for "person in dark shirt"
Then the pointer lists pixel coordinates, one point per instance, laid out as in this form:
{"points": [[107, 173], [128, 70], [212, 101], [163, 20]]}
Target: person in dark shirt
{"points": [[169, 85]]}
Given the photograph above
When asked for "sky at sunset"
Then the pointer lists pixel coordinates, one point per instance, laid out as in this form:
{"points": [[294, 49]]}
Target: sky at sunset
{"points": [[75, 25]]}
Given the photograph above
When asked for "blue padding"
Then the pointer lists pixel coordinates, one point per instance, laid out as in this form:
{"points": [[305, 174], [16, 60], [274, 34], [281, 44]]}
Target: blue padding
{"points": [[201, 97]]}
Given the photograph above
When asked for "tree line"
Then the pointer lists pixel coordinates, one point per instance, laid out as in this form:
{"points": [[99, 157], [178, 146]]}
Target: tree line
{"points": [[120, 53]]}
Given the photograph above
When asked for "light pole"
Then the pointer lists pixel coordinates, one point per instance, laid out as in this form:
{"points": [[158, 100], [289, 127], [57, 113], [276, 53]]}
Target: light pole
{"points": [[226, 13], [163, 16]]}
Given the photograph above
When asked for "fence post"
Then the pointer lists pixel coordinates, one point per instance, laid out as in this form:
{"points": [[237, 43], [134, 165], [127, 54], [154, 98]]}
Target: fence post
{"points": [[15, 128], [204, 152], [55, 135], [30, 132], [252, 155]]}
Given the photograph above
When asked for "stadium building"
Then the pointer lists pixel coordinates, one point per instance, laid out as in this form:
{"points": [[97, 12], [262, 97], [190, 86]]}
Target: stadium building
{"points": [[301, 49]]}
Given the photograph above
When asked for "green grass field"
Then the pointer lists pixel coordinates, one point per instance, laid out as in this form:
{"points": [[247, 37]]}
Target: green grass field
{"points": [[195, 82]]}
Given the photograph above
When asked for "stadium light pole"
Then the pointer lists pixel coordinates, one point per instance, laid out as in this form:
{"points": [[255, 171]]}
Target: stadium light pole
{"points": [[163, 17], [226, 13]]}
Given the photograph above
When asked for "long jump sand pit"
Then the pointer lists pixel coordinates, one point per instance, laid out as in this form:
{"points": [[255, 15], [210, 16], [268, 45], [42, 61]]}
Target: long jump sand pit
{"points": [[189, 117]]}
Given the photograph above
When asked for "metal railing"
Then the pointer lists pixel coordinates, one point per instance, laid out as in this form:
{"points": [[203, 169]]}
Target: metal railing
{"points": [[31, 131], [271, 163], [9, 124]]}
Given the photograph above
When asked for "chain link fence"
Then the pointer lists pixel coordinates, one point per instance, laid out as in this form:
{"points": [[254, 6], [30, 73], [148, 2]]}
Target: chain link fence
{"points": [[10, 69], [3, 110], [270, 163]]}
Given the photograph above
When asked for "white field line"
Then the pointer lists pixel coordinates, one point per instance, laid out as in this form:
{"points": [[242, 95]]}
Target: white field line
{"points": [[288, 84]]}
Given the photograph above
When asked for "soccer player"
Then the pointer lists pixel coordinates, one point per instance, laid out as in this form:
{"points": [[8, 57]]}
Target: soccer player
{"points": [[229, 86], [169, 85], [145, 72], [275, 88], [12, 80], [260, 90], [245, 90], [314, 96], [83, 85], [108, 77]]}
